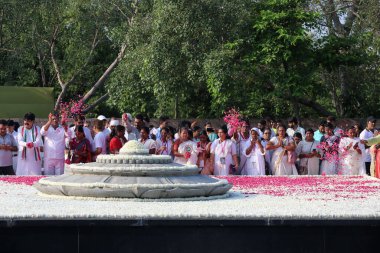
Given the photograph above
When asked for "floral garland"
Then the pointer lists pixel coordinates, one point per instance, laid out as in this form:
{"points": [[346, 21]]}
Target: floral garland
{"points": [[331, 151]]}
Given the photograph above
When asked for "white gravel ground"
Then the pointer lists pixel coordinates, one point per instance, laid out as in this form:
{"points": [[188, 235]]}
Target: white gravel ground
{"points": [[18, 201]]}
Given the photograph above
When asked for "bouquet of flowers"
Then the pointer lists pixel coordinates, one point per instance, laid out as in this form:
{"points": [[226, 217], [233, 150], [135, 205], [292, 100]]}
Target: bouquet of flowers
{"points": [[232, 119], [330, 152]]}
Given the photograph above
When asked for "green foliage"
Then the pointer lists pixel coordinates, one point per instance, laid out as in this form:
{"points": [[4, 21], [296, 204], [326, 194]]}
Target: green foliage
{"points": [[177, 36], [269, 65], [196, 58]]}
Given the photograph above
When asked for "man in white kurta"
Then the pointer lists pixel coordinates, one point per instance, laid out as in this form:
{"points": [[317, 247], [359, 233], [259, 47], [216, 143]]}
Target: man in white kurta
{"points": [[54, 146], [295, 128], [29, 142]]}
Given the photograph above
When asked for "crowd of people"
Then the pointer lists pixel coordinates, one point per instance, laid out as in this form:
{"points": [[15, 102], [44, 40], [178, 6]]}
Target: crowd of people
{"points": [[270, 148]]}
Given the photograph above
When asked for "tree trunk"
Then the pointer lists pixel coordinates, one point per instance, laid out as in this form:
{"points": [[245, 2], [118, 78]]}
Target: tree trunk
{"points": [[344, 89], [42, 69], [101, 81], [296, 109], [60, 97], [309, 103], [97, 102]]}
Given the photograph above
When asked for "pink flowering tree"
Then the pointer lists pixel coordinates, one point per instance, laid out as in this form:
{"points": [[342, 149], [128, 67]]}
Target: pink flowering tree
{"points": [[71, 108]]}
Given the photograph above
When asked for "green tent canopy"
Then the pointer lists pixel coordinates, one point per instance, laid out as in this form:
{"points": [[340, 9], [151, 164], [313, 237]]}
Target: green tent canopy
{"points": [[16, 101]]}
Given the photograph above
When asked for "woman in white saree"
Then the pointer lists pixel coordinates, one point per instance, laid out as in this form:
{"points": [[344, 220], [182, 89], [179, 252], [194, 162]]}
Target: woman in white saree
{"points": [[309, 154], [223, 154], [350, 151], [254, 151], [184, 149], [283, 162]]}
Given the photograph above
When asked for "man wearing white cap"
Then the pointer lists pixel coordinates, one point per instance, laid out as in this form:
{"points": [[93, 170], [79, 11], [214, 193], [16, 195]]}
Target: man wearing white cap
{"points": [[103, 118], [113, 124]]}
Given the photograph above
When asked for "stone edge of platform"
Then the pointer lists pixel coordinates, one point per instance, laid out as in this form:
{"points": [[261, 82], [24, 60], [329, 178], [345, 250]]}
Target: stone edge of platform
{"points": [[25, 222]]}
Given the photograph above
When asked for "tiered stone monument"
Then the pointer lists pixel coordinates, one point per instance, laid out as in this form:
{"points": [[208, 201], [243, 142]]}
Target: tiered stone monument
{"points": [[133, 174]]}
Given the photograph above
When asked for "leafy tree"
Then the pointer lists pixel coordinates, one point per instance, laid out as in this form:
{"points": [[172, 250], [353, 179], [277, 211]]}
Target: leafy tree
{"points": [[197, 58], [177, 36], [272, 65], [346, 56]]}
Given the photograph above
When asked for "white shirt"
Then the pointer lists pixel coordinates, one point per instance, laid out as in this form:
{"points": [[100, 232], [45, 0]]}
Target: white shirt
{"points": [[133, 134], [158, 133], [149, 143], [223, 149], [87, 134], [168, 144], [100, 142], [106, 131], [14, 134], [291, 131], [365, 135], [54, 145]]}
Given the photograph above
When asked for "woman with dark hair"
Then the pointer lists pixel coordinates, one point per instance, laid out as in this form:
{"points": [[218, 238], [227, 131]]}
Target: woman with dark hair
{"points": [[204, 147], [309, 154], [282, 162], [330, 148], [79, 147], [164, 144], [183, 124], [350, 151], [297, 137], [117, 139], [358, 129], [148, 143], [223, 154], [210, 132], [268, 153], [184, 149], [171, 133], [196, 133]]}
